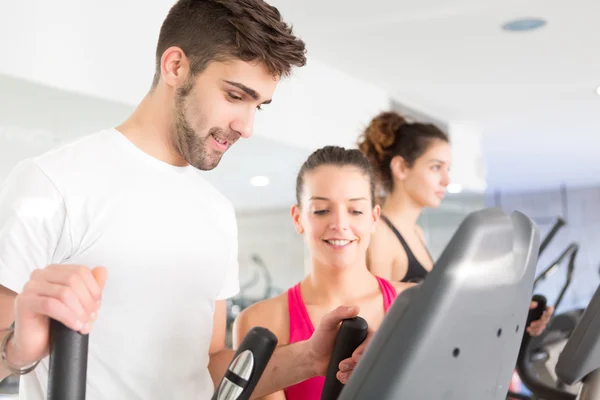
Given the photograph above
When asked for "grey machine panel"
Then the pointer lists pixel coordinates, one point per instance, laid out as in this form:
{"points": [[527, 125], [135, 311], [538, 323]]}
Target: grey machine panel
{"points": [[457, 335], [581, 355]]}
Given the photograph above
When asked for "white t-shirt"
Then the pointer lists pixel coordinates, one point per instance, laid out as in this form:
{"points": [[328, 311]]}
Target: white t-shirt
{"points": [[168, 239]]}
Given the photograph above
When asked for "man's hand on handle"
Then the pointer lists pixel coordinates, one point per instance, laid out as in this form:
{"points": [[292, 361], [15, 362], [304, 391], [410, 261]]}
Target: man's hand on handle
{"points": [[322, 343], [70, 294]]}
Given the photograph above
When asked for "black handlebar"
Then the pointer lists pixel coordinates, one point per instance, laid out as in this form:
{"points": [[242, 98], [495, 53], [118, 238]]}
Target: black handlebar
{"points": [[570, 269], [68, 363], [553, 231], [570, 251], [537, 312], [247, 366], [351, 334]]}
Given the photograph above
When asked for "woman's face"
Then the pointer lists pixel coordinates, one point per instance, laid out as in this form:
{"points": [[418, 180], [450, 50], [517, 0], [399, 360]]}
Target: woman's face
{"points": [[336, 215], [426, 181]]}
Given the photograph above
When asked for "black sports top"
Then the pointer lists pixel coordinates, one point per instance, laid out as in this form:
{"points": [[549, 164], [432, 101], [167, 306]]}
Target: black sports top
{"points": [[415, 272]]}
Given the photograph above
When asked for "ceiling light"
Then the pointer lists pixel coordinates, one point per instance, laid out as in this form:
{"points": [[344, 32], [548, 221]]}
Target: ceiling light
{"points": [[259, 181], [524, 24], [454, 188], [598, 90]]}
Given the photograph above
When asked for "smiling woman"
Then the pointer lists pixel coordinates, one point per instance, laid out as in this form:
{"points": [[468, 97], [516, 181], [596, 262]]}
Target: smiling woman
{"points": [[335, 210]]}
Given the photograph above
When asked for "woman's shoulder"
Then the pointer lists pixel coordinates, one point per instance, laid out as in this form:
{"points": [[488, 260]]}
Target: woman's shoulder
{"points": [[271, 314], [383, 242], [266, 310]]}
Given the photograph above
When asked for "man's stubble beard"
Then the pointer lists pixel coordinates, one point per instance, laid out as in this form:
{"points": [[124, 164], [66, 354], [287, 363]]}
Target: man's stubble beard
{"points": [[191, 146]]}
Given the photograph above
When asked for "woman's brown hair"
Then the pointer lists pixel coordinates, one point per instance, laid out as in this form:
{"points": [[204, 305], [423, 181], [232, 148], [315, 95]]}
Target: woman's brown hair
{"points": [[389, 135]]}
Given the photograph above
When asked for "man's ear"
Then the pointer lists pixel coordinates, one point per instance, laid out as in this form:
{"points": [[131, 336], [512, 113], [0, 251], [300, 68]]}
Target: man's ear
{"points": [[174, 67]]}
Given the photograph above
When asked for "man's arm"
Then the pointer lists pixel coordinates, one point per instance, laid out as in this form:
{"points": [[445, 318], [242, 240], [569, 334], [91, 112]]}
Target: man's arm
{"points": [[293, 363], [288, 366]]}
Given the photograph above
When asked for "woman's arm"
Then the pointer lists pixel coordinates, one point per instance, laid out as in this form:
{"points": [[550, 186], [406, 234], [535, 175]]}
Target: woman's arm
{"points": [[268, 314]]}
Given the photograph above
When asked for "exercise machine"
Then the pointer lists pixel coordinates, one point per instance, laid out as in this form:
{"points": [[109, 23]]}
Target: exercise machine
{"points": [[457, 334], [538, 356], [579, 362], [454, 336], [580, 359]]}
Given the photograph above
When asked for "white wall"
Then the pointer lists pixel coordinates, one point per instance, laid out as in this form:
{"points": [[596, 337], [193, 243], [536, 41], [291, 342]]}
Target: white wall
{"points": [[319, 106]]}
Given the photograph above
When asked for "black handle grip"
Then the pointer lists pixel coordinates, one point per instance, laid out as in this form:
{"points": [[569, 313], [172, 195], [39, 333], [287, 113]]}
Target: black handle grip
{"points": [[249, 363], [537, 312], [68, 363], [352, 333]]}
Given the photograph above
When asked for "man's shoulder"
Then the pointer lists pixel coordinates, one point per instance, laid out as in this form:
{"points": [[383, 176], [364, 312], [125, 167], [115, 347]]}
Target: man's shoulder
{"points": [[46, 166], [84, 148], [78, 161]]}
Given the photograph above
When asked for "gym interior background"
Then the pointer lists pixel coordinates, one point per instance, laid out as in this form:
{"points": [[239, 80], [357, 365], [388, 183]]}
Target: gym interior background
{"points": [[515, 84]]}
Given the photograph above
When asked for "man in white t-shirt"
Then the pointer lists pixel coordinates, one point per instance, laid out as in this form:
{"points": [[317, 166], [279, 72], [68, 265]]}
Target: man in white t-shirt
{"points": [[118, 234]]}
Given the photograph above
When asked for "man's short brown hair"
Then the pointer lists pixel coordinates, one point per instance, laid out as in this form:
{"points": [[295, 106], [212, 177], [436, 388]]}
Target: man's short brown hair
{"points": [[222, 30]]}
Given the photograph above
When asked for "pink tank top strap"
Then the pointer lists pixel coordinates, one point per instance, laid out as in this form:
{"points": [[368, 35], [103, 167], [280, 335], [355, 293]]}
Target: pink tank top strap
{"points": [[389, 292], [301, 328]]}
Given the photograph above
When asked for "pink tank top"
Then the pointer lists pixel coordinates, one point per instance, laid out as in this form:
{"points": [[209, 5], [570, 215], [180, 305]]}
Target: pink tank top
{"points": [[301, 328]]}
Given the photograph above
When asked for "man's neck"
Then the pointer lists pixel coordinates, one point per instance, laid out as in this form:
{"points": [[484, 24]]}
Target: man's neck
{"points": [[150, 129]]}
